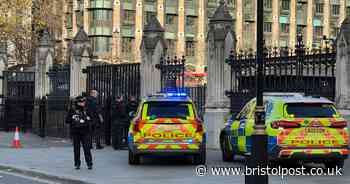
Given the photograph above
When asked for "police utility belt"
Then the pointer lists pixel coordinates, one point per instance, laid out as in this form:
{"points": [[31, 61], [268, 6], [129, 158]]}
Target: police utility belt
{"points": [[80, 120]]}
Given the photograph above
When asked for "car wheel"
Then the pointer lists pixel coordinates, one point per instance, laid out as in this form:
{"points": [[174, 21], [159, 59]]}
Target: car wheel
{"points": [[227, 154], [334, 164], [133, 158], [200, 159]]}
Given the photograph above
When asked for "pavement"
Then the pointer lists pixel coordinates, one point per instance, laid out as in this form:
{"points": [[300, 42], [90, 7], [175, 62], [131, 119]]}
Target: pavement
{"points": [[52, 158], [110, 166], [30, 140]]}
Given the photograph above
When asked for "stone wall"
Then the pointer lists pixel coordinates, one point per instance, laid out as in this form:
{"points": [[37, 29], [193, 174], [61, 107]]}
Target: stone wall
{"points": [[221, 40], [343, 67]]}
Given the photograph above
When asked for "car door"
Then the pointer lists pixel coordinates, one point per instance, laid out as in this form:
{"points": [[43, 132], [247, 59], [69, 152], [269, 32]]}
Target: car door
{"points": [[239, 129], [232, 128], [250, 122]]}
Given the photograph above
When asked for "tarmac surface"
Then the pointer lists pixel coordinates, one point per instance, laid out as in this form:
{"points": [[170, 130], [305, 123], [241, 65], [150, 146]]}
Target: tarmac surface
{"points": [[112, 166], [52, 159], [10, 178]]}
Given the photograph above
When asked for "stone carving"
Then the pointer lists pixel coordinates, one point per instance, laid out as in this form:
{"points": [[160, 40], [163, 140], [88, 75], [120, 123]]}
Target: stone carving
{"points": [[153, 48], [343, 66], [80, 58], [43, 61], [221, 40]]}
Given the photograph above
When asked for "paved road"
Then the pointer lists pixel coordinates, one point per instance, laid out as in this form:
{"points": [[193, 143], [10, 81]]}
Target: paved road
{"points": [[111, 167], [6, 178]]}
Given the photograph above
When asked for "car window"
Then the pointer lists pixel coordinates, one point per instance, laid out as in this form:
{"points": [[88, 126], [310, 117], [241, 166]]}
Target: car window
{"points": [[268, 108], [244, 112], [309, 110], [139, 109], [168, 110]]}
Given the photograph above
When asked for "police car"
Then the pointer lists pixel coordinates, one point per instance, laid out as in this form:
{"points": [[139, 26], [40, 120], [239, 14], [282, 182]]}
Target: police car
{"points": [[166, 124], [301, 128]]}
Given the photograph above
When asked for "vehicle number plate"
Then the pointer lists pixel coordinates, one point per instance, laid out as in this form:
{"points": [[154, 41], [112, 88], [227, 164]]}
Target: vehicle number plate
{"points": [[313, 130]]}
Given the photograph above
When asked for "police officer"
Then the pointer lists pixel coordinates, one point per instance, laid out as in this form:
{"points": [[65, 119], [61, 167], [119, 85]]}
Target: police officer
{"points": [[132, 105], [120, 110], [80, 124], [94, 110], [119, 120]]}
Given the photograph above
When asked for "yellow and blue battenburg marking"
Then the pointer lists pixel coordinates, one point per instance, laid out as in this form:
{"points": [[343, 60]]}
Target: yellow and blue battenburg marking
{"points": [[156, 133], [288, 135]]}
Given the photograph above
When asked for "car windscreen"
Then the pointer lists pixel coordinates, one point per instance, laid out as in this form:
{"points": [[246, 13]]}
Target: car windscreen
{"points": [[310, 110], [169, 109]]}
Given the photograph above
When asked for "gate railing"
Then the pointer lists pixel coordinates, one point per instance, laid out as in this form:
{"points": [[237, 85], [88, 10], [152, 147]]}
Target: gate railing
{"points": [[59, 76], [18, 100], [54, 106], [310, 71], [172, 72], [112, 81], [18, 84], [197, 95]]}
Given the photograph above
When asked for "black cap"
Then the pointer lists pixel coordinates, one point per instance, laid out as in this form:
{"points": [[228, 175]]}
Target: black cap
{"points": [[80, 99]]}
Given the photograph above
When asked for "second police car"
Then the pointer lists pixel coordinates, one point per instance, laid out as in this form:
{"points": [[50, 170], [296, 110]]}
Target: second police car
{"points": [[299, 128], [166, 124]]}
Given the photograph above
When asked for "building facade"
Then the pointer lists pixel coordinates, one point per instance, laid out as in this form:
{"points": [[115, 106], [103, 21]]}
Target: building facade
{"points": [[115, 26]]}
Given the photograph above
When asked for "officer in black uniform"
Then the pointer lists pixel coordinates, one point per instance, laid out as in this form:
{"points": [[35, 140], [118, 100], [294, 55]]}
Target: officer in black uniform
{"points": [[132, 105], [119, 120], [120, 111], [80, 124], [95, 110]]}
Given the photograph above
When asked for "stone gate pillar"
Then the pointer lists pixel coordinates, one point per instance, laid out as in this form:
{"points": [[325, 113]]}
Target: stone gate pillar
{"points": [[342, 97], [80, 59], [44, 56], [3, 63], [43, 62], [153, 48], [221, 40]]}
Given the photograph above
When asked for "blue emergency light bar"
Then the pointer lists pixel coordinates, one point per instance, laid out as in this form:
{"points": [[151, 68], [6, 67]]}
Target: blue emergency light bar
{"points": [[176, 92]]}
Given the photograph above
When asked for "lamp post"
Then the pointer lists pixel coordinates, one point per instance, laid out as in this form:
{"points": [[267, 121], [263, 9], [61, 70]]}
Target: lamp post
{"points": [[258, 157]]}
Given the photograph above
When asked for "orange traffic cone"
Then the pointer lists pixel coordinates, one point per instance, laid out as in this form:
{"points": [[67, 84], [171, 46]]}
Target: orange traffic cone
{"points": [[16, 142]]}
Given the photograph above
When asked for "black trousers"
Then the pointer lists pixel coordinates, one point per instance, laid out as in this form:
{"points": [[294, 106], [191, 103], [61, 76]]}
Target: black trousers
{"points": [[80, 138], [96, 136]]}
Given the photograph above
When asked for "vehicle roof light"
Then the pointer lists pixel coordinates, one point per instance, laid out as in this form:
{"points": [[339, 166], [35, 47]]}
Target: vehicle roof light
{"points": [[176, 92], [280, 94]]}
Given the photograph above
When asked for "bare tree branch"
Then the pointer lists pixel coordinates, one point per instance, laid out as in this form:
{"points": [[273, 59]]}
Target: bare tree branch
{"points": [[21, 22]]}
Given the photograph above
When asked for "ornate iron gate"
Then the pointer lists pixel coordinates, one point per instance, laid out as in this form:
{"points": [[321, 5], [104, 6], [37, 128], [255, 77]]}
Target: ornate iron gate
{"points": [[53, 108], [310, 71], [112, 81], [172, 72], [18, 100], [197, 95], [124, 80], [59, 76]]}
